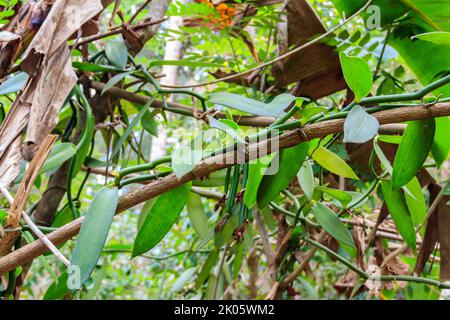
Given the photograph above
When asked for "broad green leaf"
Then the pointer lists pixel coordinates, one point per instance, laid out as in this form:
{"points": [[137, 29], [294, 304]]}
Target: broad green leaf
{"points": [[305, 178], [290, 161], [416, 202], [58, 289], [210, 262], [223, 126], [399, 212], [438, 37], [84, 144], [390, 139], [184, 63], [357, 74], [63, 217], [359, 126], [91, 67], [215, 179], [441, 144], [343, 197], [382, 157], [60, 153], [333, 163], [160, 219], [130, 128], [334, 226], [117, 53], [255, 175], [181, 281], [14, 83], [94, 231], [273, 109], [186, 157], [412, 152], [114, 80], [354, 203], [145, 211], [3, 216], [197, 215], [149, 123]]}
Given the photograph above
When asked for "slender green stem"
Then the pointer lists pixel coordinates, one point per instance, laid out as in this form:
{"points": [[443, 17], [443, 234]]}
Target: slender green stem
{"points": [[141, 167], [364, 275]]}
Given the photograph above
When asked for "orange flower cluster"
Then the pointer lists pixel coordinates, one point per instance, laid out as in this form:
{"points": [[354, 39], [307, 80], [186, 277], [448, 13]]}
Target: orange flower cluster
{"points": [[226, 14]]}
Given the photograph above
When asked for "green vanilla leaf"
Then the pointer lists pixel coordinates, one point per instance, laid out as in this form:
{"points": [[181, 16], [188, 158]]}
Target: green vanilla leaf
{"points": [[13, 83], [441, 144], [117, 53], [399, 212], [130, 127], [413, 151], [343, 197], [197, 215], [305, 178], [184, 63], [438, 37], [94, 231], [186, 157], [256, 171], [225, 127], [162, 216], [60, 153], [210, 262], [91, 67], [58, 289], [334, 226], [333, 163], [416, 202], [357, 74], [290, 161], [114, 80], [186, 276], [359, 126], [275, 108]]}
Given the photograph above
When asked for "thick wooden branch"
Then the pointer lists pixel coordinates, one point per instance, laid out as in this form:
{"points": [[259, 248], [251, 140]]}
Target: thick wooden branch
{"points": [[253, 121], [206, 167]]}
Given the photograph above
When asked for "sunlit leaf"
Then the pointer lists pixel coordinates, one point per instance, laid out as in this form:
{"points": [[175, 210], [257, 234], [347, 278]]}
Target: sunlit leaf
{"points": [[333, 163], [438, 37], [357, 75]]}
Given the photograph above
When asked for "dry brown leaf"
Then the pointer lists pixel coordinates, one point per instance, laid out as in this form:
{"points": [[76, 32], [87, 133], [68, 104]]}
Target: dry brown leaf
{"points": [[444, 238], [10, 168], [51, 79], [9, 46], [431, 233], [15, 212]]}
